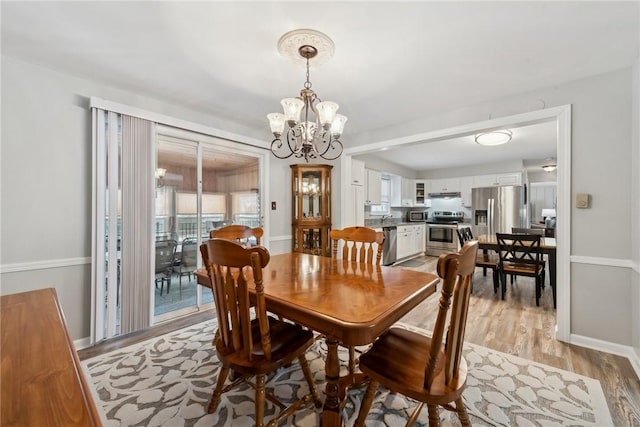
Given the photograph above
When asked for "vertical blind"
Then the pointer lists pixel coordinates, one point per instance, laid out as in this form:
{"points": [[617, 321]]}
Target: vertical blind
{"points": [[137, 222], [123, 219]]}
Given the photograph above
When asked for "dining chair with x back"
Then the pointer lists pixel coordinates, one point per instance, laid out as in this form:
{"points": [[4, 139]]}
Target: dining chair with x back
{"points": [[521, 255]]}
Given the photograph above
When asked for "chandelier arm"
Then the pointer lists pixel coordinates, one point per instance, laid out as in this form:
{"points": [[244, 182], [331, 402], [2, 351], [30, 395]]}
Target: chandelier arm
{"points": [[335, 141], [279, 141], [292, 136]]}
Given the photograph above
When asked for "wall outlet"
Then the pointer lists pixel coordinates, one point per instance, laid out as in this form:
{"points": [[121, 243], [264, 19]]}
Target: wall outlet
{"points": [[273, 206]]}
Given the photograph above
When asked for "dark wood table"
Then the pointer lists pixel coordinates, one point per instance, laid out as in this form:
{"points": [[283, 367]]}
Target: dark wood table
{"points": [[349, 303], [41, 382], [547, 246]]}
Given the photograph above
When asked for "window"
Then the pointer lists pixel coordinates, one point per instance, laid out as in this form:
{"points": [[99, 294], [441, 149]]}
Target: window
{"points": [[245, 208]]}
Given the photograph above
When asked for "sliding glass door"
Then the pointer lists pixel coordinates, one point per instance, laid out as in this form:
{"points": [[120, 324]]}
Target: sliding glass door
{"points": [[158, 191]]}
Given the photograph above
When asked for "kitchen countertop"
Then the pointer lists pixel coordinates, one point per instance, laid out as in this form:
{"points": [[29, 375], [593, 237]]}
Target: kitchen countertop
{"points": [[376, 223]]}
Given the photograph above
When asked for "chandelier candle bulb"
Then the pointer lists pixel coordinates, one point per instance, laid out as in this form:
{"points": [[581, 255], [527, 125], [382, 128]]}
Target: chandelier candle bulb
{"points": [[327, 112], [338, 125], [276, 122], [292, 109]]}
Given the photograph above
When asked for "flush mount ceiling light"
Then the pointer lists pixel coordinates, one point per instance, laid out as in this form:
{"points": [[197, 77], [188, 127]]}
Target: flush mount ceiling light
{"points": [[550, 165], [497, 137], [313, 127]]}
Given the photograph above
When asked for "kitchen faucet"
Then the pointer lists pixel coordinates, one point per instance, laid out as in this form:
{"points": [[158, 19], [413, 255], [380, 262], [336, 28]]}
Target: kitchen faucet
{"points": [[385, 217]]}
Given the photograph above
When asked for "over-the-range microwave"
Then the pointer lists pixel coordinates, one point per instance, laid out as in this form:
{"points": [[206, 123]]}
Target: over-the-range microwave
{"points": [[417, 216]]}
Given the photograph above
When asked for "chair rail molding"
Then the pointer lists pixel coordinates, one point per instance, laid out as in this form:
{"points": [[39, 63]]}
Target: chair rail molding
{"points": [[43, 265], [610, 262]]}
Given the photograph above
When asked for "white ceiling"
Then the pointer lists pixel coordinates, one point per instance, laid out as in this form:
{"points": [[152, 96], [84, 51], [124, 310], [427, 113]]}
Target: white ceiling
{"points": [[395, 62]]}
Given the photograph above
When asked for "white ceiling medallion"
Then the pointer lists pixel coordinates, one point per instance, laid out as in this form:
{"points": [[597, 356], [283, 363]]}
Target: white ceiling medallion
{"points": [[289, 45], [497, 137]]}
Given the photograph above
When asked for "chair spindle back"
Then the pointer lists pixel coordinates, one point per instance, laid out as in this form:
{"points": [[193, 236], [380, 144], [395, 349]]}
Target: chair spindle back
{"points": [[227, 264], [456, 271], [357, 244]]}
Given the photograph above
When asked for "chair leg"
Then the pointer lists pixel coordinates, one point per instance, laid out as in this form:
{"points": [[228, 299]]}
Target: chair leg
{"points": [[367, 400], [462, 413], [309, 377], [217, 393], [260, 397], [538, 291], [352, 360], [496, 280], [434, 416], [504, 285]]}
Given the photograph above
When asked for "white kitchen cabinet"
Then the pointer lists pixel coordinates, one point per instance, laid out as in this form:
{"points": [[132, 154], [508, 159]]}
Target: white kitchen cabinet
{"points": [[410, 240], [395, 198], [408, 188], [374, 188], [509, 178], [513, 178], [357, 172], [466, 184], [421, 190], [447, 185], [403, 243]]}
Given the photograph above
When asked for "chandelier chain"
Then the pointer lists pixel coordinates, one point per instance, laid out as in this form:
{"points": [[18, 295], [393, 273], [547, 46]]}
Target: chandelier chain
{"points": [[307, 84]]}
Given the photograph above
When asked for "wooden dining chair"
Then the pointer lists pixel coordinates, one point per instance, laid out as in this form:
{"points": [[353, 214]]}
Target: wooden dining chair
{"points": [[357, 245], [487, 261], [239, 233], [539, 232], [251, 347], [164, 262], [428, 369], [520, 255]]}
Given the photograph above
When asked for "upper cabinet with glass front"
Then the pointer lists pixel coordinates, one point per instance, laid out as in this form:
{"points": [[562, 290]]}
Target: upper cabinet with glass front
{"points": [[311, 208]]}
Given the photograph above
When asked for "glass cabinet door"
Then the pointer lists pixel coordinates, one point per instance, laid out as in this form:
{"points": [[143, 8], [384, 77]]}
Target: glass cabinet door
{"points": [[311, 194]]}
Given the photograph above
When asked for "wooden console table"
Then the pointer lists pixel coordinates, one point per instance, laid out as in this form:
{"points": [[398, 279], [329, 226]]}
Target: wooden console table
{"points": [[42, 383]]}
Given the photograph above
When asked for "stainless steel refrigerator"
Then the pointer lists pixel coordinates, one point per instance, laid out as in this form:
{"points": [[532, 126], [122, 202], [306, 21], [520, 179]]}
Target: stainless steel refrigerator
{"points": [[497, 209]]}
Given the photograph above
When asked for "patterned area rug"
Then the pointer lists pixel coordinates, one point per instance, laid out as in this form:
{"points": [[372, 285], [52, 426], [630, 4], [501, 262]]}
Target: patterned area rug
{"points": [[167, 381]]}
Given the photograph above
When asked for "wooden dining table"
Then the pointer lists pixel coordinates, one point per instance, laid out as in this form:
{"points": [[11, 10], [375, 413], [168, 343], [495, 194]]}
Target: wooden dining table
{"points": [[547, 246], [350, 303]]}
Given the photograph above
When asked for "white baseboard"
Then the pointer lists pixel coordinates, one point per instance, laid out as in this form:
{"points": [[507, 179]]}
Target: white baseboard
{"points": [[634, 358], [81, 343], [609, 347]]}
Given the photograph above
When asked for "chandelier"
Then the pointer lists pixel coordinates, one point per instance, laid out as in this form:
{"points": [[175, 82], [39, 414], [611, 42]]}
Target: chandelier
{"points": [[313, 128]]}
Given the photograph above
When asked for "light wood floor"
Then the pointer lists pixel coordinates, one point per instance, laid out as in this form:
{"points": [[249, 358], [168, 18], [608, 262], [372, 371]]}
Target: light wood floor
{"points": [[515, 326]]}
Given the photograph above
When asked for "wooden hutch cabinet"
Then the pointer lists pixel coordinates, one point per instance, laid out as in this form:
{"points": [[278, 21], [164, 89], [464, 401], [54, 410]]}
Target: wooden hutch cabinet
{"points": [[311, 209]]}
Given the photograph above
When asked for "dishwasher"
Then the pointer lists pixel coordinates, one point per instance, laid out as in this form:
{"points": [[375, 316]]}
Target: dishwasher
{"points": [[389, 247]]}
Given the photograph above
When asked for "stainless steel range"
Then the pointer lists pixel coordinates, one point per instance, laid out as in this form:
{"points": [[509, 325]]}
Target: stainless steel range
{"points": [[442, 234]]}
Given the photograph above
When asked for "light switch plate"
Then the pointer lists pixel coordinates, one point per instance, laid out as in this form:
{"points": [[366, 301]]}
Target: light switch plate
{"points": [[582, 200]]}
